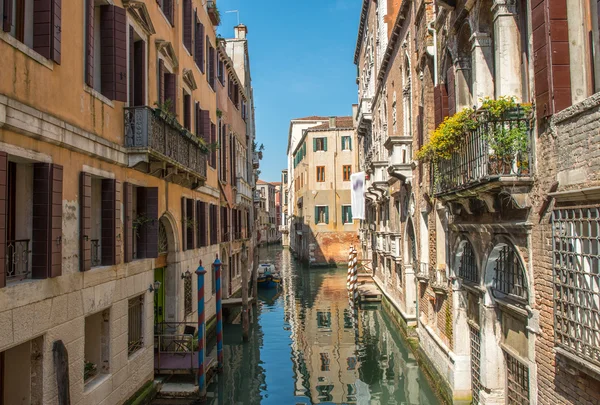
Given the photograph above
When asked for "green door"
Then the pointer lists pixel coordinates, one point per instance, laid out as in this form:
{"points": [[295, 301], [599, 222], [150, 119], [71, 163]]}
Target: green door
{"points": [[159, 296]]}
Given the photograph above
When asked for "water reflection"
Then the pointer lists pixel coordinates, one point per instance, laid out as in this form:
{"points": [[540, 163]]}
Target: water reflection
{"points": [[308, 348]]}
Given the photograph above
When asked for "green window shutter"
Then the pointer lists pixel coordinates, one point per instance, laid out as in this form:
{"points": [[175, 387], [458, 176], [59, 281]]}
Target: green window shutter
{"points": [[316, 215], [350, 214], [350, 142], [314, 144], [325, 144], [327, 215]]}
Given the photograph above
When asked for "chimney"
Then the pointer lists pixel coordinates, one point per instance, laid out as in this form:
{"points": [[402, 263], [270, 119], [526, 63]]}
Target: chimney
{"points": [[240, 31], [331, 122]]}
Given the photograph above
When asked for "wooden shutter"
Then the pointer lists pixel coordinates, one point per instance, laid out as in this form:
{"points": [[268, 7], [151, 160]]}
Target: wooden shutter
{"points": [[85, 221], [3, 215], [114, 53], [440, 97], [152, 225], [171, 90], [191, 224], [184, 218], [202, 228], [451, 92], [205, 117], [213, 140], [211, 66], [118, 221], [197, 120], [128, 225], [47, 32], [326, 215], [47, 221], [7, 15], [187, 24], [89, 42], [140, 232], [161, 81], [168, 11], [551, 57], [108, 222], [131, 68], [316, 215], [187, 112], [199, 45]]}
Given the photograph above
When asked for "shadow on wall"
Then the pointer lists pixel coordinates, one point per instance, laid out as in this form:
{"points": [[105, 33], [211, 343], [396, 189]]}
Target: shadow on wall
{"points": [[324, 249]]}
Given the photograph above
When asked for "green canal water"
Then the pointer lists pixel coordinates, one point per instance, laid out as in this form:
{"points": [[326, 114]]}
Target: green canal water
{"points": [[307, 346]]}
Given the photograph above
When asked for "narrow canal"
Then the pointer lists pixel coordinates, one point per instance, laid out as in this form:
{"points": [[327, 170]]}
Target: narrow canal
{"points": [[308, 348]]}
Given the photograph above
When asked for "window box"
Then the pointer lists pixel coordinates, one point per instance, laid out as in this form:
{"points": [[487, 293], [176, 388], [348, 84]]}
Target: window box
{"points": [[213, 12]]}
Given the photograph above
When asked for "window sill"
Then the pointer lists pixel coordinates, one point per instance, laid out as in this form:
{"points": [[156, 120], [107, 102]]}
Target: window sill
{"points": [[20, 46], [574, 364], [98, 95], [95, 382]]}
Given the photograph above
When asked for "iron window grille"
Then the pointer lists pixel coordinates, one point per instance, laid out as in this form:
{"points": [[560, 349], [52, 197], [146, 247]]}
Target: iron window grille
{"points": [[18, 265], [135, 331], [475, 363], [468, 265], [187, 292], [517, 381], [576, 263], [95, 252], [163, 246], [509, 275]]}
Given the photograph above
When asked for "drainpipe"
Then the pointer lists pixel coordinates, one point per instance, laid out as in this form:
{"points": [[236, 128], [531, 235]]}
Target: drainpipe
{"points": [[432, 51]]}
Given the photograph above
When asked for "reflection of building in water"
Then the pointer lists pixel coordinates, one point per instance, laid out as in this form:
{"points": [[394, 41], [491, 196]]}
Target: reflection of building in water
{"points": [[324, 348]]}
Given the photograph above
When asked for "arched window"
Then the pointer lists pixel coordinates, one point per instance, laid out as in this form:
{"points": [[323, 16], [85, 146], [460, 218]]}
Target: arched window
{"points": [[509, 274], [468, 264], [412, 244]]}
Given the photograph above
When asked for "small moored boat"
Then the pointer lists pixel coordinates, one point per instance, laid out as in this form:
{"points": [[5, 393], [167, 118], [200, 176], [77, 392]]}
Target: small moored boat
{"points": [[268, 277]]}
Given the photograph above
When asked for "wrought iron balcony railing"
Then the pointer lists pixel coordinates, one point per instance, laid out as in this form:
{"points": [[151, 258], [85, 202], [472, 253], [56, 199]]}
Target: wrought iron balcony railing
{"points": [[495, 150], [95, 252], [152, 138], [18, 265]]}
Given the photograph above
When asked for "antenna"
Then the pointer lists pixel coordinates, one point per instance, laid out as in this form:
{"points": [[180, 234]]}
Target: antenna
{"points": [[238, 15]]}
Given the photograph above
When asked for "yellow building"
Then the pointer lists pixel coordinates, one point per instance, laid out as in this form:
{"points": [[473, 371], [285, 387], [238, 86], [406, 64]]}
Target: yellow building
{"points": [[108, 199]]}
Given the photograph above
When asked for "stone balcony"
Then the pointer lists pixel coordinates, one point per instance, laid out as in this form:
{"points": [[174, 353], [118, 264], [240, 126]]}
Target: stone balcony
{"points": [[395, 246], [475, 170], [364, 115], [379, 179], [244, 191], [400, 158], [423, 273], [439, 281], [158, 146]]}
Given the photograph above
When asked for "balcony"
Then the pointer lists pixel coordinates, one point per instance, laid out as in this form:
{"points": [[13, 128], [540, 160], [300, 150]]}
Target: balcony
{"points": [[424, 273], [400, 158], [244, 191], [395, 245], [364, 115], [439, 281], [160, 147], [475, 168], [213, 12], [379, 179]]}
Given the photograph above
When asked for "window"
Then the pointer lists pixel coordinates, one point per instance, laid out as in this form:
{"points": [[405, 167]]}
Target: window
{"points": [[33, 24], [509, 275], [188, 224], [346, 143], [517, 381], [576, 251], [141, 222], [212, 162], [321, 214], [97, 345], [137, 69], [199, 45], [210, 74], [187, 111], [221, 72], [320, 174], [22, 373], [323, 319], [106, 55], [319, 144], [324, 361], [187, 24], [214, 213], [167, 8], [468, 265], [347, 171], [135, 332], [346, 214]]}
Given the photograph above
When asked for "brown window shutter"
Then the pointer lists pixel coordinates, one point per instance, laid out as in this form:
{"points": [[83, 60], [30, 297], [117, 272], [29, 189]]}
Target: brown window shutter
{"points": [[184, 244], [161, 81], [7, 15], [3, 213], [114, 53], [89, 42], [213, 140], [205, 117], [140, 233], [108, 225], [118, 221], [187, 25], [128, 217], [85, 221], [201, 219], [56, 211], [168, 11], [197, 120], [440, 103], [47, 221], [47, 32], [57, 30], [191, 224], [152, 225], [139, 79], [451, 92], [171, 90], [199, 45], [187, 112], [131, 68]]}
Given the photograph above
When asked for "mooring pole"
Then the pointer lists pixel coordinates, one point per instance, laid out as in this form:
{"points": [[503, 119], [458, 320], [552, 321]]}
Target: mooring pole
{"points": [[355, 274], [217, 265], [245, 319], [200, 272], [349, 275]]}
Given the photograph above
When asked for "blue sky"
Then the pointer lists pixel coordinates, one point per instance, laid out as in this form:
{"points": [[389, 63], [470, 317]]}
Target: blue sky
{"points": [[302, 63]]}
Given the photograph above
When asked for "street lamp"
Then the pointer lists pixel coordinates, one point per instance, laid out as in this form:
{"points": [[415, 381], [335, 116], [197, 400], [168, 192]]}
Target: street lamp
{"points": [[154, 286]]}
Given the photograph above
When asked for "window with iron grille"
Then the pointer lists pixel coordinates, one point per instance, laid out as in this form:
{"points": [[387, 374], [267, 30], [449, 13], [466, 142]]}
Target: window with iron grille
{"points": [[576, 263], [135, 335], [468, 265], [509, 274], [517, 381], [475, 363], [187, 292]]}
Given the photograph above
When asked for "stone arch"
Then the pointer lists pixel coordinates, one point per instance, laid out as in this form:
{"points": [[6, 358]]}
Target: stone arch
{"points": [[410, 244], [172, 271], [464, 248]]}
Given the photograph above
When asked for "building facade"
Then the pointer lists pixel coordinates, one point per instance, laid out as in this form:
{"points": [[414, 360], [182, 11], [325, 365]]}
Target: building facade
{"points": [[473, 124], [284, 225], [109, 198], [267, 194], [321, 222]]}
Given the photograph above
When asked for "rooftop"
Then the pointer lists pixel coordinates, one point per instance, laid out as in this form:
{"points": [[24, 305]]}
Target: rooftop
{"points": [[340, 122]]}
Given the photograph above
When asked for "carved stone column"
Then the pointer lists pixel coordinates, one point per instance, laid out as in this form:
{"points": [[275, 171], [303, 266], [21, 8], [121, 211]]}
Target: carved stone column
{"points": [[482, 61], [463, 83], [507, 49]]}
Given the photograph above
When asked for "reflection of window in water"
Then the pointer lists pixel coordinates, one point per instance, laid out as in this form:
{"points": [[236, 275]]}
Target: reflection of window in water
{"points": [[347, 319], [324, 319], [576, 262], [324, 392], [324, 361], [351, 363]]}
